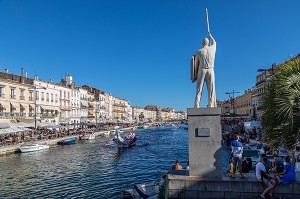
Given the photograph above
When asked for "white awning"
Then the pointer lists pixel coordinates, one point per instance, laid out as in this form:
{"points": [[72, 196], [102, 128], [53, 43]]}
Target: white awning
{"points": [[32, 105], [14, 104], [24, 105], [4, 104], [84, 103], [50, 108]]}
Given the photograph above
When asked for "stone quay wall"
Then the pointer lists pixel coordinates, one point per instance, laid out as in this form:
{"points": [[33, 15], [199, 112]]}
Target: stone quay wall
{"points": [[192, 187]]}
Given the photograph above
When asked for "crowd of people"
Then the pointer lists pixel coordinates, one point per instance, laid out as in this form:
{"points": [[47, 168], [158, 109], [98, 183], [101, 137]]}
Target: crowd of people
{"points": [[43, 133], [268, 172]]}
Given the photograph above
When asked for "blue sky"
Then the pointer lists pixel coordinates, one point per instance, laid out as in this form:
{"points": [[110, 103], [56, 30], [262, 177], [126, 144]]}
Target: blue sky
{"points": [[140, 50]]}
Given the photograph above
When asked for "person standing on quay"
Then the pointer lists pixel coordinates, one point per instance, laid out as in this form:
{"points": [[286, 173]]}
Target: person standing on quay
{"points": [[237, 155]]}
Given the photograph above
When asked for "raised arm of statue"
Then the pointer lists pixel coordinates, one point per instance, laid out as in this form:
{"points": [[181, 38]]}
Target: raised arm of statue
{"points": [[213, 41]]}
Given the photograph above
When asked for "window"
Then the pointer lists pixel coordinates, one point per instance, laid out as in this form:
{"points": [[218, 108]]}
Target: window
{"points": [[56, 98], [51, 97], [2, 91], [22, 94], [47, 97], [12, 93], [37, 95], [42, 97], [30, 95]]}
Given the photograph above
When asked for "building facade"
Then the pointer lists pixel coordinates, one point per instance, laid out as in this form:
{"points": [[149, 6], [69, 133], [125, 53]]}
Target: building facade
{"points": [[47, 100], [244, 104], [17, 97]]}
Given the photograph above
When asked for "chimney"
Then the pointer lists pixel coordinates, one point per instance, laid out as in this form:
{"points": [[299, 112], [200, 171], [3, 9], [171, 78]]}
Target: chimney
{"points": [[6, 70], [50, 80], [26, 74], [22, 72], [36, 77]]}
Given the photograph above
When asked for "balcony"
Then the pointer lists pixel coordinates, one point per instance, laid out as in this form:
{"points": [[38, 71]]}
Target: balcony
{"points": [[119, 105], [75, 115], [103, 107], [30, 98], [12, 96], [68, 108], [2, 95], [22, 97], [48, 115], [9, 114]]}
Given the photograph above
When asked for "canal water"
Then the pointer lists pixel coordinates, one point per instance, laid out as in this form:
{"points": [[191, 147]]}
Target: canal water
{"points": [[93, 169]]}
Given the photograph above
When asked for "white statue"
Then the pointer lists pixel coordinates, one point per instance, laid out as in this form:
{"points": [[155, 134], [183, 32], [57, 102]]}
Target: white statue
{"points": [[203, 69]]}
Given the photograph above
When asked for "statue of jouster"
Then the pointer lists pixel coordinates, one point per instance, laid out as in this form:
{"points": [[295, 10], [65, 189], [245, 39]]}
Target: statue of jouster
{"points": [[202, 69]]}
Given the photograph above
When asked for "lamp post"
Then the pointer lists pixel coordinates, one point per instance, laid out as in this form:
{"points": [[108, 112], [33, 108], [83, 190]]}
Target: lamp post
{"points": [[232, 93]]}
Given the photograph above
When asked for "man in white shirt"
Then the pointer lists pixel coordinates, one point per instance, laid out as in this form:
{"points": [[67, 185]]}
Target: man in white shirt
{"points": [[263, 177]]}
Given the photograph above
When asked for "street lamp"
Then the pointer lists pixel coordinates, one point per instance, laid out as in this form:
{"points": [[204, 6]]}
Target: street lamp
{"points": [[232, 93]]}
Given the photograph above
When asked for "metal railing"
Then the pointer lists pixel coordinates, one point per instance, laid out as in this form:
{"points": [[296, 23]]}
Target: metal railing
{"points": [[9, 114]]}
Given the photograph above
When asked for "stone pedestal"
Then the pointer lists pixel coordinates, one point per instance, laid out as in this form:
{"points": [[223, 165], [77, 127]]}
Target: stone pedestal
{"points": [[205, 136]]}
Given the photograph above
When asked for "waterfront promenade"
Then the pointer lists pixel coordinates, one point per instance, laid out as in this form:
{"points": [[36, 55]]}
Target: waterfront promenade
{"points": [[193, 187], [9, 149]]}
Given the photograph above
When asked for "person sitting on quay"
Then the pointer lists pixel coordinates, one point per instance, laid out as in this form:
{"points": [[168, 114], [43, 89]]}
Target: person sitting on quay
{"points": [[289, 173], [263, 177], [187, 166], [277, 165], [267, 164], [177, 166]]}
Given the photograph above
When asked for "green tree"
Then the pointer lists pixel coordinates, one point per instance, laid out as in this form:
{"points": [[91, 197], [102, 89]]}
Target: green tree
{"points": [[281, 105]]}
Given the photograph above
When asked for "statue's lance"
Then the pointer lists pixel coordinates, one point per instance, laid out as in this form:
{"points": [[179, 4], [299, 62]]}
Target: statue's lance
{"points": [[207, 24]]}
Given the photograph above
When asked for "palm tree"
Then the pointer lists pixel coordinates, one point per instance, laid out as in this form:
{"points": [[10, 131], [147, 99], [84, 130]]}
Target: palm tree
{"points": [[281, 105]]}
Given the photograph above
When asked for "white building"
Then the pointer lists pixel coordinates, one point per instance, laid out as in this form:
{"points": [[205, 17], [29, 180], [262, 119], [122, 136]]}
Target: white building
{"points": [[48, 100], [83, 105], [65, 103]]}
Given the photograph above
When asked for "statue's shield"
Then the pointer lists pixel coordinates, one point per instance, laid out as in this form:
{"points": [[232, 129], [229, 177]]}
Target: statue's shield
{"points": [[193, 69]]}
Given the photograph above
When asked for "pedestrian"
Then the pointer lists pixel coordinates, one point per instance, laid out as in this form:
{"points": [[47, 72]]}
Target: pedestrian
{"points": [[237, 156]]}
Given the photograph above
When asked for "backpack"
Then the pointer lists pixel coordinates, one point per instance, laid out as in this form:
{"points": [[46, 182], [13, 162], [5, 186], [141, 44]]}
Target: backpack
{"points": [[279, 167], [245, 167]]}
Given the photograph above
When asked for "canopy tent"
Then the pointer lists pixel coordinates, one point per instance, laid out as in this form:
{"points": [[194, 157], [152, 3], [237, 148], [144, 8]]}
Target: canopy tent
{"points": [[11, 130]]}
